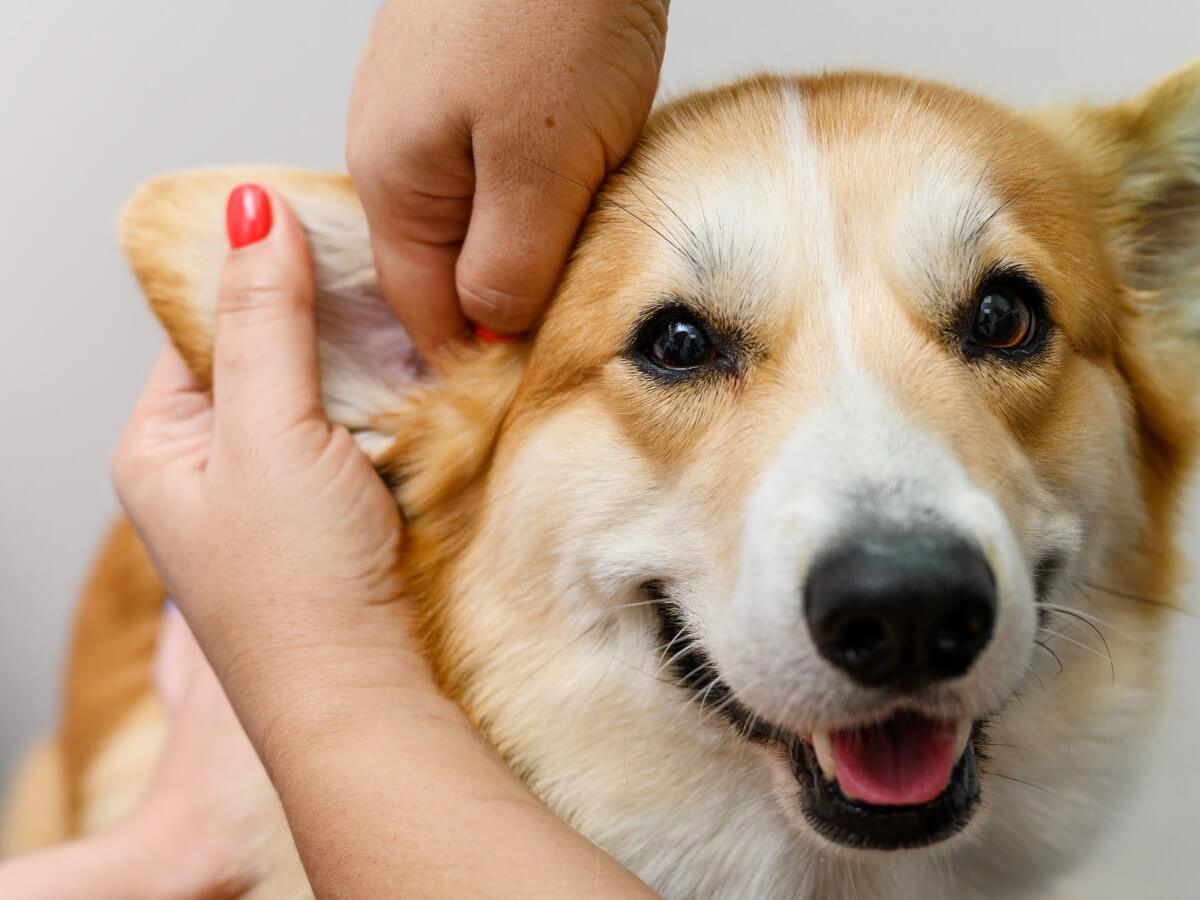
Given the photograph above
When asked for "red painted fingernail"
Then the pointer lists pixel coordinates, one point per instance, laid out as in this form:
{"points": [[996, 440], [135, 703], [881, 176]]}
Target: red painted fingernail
{"points": [[247, 215], [485, 335]]}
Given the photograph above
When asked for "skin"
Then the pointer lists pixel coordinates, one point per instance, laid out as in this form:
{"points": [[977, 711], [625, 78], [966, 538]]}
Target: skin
{"points": [[478, 133], [186, 806], [304, 621]]}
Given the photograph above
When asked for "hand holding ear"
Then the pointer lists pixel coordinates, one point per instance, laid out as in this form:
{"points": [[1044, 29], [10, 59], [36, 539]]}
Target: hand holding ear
{"points": [[268, 524], [279, 543], [479, 130]]}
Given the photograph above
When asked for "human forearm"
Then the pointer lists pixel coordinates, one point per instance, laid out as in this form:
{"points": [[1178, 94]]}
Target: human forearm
{"points": [[375, 813]]}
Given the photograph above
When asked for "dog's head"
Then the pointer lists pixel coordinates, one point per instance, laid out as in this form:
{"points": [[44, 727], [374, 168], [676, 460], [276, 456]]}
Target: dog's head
{"points": [[830, 507]]}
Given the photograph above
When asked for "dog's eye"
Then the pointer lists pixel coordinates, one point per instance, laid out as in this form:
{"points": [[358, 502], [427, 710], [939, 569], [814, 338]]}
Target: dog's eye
{"points": [[681, 344], [1002, 321], [678, 341], [1006, 316]]}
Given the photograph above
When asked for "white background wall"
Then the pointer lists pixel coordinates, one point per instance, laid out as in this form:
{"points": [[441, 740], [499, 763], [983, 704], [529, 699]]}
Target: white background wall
{"points": [[97, 97]]}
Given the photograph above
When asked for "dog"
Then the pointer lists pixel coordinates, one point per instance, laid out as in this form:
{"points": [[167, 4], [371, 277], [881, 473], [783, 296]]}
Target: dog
{"points": [[818, 543]]}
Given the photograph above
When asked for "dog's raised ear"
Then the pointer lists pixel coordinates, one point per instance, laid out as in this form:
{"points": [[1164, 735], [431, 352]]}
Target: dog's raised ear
{"points": [[1143, 156], [173, 233]]}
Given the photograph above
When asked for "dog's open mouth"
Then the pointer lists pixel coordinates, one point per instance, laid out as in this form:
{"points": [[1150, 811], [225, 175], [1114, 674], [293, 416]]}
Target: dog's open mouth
{"points": [[906, 782]]}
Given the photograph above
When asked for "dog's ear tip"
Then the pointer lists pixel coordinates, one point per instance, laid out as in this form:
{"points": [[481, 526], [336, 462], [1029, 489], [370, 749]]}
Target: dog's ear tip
{"points": [[139, 219], [1142, 155], [172, 232]]}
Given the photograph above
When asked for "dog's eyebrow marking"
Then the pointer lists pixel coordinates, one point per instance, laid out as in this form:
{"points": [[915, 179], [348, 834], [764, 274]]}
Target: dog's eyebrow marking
{"points": [[1002, 205], [691, 257], [971, 206], [659, 197], [952, 223]]}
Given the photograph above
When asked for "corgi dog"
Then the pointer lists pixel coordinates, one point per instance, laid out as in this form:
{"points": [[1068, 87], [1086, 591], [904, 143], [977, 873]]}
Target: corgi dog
{"points": [[819, 542]]}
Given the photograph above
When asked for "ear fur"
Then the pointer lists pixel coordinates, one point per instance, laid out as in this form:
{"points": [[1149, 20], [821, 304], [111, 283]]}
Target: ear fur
{"points": [[445, 441], [1143, 156], [172, 232]]}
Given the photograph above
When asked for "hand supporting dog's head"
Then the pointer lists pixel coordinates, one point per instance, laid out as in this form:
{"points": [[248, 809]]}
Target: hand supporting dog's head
{"points": [[861, 411]]}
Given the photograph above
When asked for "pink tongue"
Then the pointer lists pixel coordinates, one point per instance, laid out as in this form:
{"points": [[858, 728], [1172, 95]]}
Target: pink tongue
{"points": [[904, 761]]}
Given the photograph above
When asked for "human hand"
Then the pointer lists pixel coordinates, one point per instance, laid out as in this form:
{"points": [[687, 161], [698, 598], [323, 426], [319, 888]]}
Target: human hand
{"points": [[273, 533], [196, 833], [201, 820], [479, 130]]}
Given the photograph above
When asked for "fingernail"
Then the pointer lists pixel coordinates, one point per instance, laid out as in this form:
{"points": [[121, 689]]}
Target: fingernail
{"points": [[247, 215], [485, 335]]}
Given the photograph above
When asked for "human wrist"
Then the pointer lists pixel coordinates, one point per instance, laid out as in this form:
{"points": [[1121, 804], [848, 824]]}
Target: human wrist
{"points": [[335, 708], [290, 641], [305, 688]]}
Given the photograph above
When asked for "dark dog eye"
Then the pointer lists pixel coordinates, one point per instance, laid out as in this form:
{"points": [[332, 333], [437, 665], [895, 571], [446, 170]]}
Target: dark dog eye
{"points": [[678, 341], [1007, 317], [1002, 321]]}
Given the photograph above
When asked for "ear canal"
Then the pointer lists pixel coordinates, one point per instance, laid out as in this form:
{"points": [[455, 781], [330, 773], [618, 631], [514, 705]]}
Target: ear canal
{"points": [[173, 234]]}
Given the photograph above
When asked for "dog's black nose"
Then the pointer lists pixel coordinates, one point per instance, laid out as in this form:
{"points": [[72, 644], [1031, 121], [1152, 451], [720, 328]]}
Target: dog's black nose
{"points": [[901, 609]]}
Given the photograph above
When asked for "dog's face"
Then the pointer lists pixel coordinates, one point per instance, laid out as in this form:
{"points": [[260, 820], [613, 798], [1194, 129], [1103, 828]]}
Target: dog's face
{"points": [[834, 390], [843, 420]]}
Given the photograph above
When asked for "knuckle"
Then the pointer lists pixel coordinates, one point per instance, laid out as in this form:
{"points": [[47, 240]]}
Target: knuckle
{"points": [[421, 182], [501, 309], [247, 297], [259, 294]]}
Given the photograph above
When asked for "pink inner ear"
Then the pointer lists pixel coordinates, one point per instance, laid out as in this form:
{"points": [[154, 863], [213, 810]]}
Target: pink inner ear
{"points": [[388, 344], [368, 362], [359, 331]]}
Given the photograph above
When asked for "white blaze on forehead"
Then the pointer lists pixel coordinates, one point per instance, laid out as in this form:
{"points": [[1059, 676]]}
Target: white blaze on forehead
{"points": [[879, 211], [819, 231]]}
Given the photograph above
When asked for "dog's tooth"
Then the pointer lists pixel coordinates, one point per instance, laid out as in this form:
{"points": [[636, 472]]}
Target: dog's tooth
{"points": [[824, 750], [962, 734]]}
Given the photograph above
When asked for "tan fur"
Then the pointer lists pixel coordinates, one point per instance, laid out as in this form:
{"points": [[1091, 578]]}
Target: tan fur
{"points": [[108, 673], [522, 471], [107, 679], [35, 816]]}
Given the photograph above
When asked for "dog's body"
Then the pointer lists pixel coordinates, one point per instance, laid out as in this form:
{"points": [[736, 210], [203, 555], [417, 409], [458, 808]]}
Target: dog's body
{"points": [[615, 554]]}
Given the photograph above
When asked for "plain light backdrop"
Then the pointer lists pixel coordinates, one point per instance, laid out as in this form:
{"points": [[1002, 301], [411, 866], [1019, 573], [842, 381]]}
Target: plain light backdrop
{"points": [[97, 97]]}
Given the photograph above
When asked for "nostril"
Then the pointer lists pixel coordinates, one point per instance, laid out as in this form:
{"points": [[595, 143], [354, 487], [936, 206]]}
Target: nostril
{"points": [[867, 644], [860, 642], [957, 632], [949, 639], [959, 638]]}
